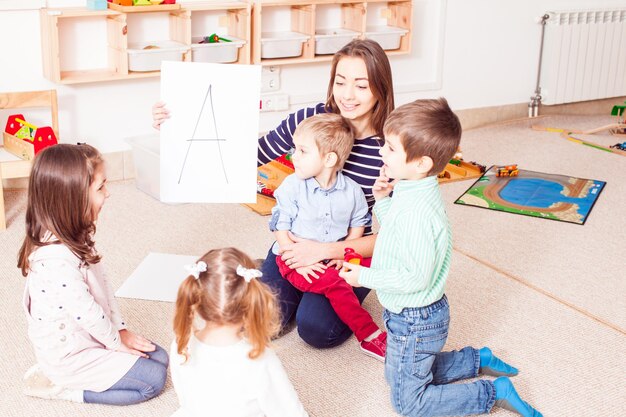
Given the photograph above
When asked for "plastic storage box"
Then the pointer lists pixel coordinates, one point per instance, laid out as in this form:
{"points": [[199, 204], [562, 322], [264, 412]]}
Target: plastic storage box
{"points": [[282, 44], [220, 52], [147, 56], [387, 36], [147, 158], [329, 41]]}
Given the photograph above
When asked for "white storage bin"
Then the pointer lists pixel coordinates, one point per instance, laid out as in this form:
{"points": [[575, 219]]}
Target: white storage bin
{"points": [[141, 59], [282, 44], [220, 52], [329, 41], [387, 36], [147, 157]]}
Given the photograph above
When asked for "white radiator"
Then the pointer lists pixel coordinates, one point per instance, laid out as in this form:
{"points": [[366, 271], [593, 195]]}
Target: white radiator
{"points": [[584, 56]]}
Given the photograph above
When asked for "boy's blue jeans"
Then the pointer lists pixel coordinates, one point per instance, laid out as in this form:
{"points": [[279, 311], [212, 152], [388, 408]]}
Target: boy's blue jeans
{"points": [[419, 373]]}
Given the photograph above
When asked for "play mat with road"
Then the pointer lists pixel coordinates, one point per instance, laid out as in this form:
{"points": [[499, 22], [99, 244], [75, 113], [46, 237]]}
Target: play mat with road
{"points": [[537, 194]]}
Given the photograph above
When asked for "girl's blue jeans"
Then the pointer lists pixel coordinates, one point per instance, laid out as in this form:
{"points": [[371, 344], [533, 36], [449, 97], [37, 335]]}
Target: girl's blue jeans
{"points": [[144, 380], [419, 373], [318, 324]]}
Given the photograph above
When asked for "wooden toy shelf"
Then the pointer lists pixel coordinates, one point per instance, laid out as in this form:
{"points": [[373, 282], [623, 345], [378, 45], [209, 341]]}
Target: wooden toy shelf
{"points": [[355, 16], [237, 17]]}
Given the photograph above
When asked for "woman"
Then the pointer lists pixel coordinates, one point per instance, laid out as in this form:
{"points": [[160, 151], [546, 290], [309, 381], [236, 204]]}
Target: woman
{"points": [[361, 90]]}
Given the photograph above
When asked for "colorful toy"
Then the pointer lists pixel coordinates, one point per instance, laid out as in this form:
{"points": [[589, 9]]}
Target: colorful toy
{"points": [[26, 140], [457, 169], [214, 38], [620, 146], [264, 189], [507, 171], [616, 129], [618, 111], [351, 257], [567, 134], [285, 160], [269, 177]]}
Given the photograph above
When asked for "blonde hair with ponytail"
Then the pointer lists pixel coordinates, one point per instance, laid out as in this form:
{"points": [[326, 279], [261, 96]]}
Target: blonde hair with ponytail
{"points": [[221, 297]]}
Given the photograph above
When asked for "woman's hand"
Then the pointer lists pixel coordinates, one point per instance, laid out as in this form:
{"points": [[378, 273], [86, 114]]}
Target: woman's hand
{"points": [[382, 187], [159, 114], [351, 274], [134, 344], [302, 252]]}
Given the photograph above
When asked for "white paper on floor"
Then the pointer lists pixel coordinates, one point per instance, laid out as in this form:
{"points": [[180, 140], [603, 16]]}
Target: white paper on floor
{"points": [[157, 277]]}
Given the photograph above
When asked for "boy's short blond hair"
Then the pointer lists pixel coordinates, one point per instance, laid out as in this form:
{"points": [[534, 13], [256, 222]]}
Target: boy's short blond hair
{"points": [[426, 128], [332, 133]]}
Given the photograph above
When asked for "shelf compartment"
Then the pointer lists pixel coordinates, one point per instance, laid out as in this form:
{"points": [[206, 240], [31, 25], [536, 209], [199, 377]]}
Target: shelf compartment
{"points": [[232, 20], [278, 38], [222, 52], [329, 41], [282, 44], [56, 23]]}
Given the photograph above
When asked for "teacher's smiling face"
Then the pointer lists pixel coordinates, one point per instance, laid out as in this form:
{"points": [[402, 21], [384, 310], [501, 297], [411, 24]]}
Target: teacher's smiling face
{"points": [[351, 90]]}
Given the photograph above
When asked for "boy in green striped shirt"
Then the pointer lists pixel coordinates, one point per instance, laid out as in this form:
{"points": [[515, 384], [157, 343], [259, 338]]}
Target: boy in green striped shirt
{"points": [[409, 268]]}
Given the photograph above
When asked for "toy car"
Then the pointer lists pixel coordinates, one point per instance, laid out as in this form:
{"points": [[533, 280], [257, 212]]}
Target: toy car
{"points": [[507, 171]]}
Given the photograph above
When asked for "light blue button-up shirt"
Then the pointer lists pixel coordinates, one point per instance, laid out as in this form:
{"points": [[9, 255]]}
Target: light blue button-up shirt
{"points": [[311, 212]]}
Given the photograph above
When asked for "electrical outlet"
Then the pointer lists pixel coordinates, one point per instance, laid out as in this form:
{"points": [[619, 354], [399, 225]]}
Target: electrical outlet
{"points": [[274, 102], [270, 79]]}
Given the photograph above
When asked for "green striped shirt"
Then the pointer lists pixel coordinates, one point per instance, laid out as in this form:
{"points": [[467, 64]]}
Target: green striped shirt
{"points": [[413, 249]]}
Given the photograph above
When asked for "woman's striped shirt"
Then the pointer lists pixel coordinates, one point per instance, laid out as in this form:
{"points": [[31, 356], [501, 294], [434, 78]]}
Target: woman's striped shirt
{"points": [[363, 164]]}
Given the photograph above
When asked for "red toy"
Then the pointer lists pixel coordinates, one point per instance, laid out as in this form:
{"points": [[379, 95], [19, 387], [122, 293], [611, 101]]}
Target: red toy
{"points": [[285, 159], [351, 257], [26, 140]]}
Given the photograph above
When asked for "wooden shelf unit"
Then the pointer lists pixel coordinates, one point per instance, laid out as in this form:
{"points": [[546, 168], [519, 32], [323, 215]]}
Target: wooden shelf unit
{"points": [[237, 19], [242, 19], [353, 17]]}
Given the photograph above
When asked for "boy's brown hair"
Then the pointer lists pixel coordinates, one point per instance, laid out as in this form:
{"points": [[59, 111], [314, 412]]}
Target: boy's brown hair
{"points": [[220, 296], [58, 202], [332, 133], [426, 128]]}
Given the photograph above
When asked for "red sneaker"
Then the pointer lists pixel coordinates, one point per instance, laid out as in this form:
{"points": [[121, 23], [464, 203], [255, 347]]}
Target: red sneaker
{"points": [[376, 347]]}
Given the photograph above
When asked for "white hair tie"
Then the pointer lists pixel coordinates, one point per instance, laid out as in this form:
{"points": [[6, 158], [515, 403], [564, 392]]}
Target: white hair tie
{"points": [[248, 274], [196, 269]]}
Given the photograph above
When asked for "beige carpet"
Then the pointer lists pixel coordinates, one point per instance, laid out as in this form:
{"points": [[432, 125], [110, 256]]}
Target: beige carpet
{"points": [[547, 296]]}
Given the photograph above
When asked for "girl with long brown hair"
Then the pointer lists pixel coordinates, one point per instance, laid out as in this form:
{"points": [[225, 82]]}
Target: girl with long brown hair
{"points": [[224, 366], [84, 351]]}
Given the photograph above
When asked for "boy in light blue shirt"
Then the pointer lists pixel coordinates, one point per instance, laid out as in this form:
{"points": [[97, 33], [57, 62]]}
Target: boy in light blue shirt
{"points": [[319, 203], [409, 269]]}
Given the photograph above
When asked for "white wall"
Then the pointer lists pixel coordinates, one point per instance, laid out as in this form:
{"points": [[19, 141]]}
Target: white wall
{"points": [[476, 53]]}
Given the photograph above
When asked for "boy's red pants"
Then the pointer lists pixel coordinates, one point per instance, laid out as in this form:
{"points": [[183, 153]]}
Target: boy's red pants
{"points": [[338, 292]]}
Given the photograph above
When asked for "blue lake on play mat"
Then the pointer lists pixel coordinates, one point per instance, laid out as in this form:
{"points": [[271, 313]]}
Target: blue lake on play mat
{"points": [[535, 192]]}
